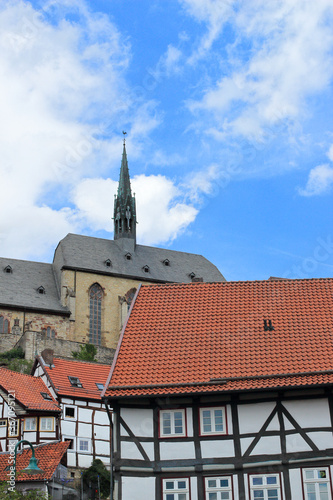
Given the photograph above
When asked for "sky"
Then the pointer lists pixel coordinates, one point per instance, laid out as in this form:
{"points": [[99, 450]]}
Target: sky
{"points": [[227, 106]]}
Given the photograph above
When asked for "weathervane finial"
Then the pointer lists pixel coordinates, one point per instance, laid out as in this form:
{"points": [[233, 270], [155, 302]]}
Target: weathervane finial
{"points": [[125, 133]]}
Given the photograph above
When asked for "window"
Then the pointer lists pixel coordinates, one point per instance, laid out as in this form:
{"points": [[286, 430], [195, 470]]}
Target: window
{"points": [[100, 387], [30, 424], [213, 421], [265, 487], [317, 484], [146, 269], [71, 440], [8, 270], [166, 262], [4, 325], [176, 489], [172, 423], [218, 488], [69, 412], [46, 396], [41, 290], [95, 310], [75, 382], [108, 263], [128, 256], [46, 424], [83, 445], [3, 422], [50, 333], [13, 427]]}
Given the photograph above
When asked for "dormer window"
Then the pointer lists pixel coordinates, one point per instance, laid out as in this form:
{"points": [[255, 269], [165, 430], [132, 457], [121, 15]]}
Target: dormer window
{"points": [[128, 256], [75, 382], [192, 275], [108, 263], [166, 262], [145, 269], [41, 290], [8, 269], [46, 396]]}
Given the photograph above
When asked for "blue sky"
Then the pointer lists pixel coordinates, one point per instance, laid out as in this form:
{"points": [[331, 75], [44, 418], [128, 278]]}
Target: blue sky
{"points": [[227, 107]]}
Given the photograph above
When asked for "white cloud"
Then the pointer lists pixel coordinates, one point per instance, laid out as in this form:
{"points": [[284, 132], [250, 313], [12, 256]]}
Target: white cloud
{"points": [[281, 55], [161, 213], [330, 153], [62, 87], [319, 182]]}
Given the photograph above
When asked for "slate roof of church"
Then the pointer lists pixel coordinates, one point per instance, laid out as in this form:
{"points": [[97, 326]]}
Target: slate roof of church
{"points": [[90, 254], [48, 457], [19, 288], [28, 391], [211, 337]]}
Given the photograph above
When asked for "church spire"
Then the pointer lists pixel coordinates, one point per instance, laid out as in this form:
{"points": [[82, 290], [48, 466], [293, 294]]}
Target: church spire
{"points": [[124, 203]]}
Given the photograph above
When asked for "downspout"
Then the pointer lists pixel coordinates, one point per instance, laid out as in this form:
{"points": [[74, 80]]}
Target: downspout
{"points": [[112, 447]]}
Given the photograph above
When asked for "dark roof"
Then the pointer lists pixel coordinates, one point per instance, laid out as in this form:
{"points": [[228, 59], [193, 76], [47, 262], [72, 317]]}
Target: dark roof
{"points": [[232, 336], [19, 288], [90, 254]]}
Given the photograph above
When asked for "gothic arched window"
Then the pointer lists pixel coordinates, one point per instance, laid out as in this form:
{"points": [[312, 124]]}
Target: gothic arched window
{"points": [[95, 314], [4, 325]]}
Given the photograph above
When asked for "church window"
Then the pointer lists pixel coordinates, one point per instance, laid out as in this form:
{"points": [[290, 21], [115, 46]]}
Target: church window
{"points": [[4, 325], [95, 309], [8, 269], [129, 297], [50, 333]]}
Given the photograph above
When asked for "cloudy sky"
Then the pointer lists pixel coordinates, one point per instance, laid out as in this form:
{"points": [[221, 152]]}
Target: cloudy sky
{"points": [[227, 105]]}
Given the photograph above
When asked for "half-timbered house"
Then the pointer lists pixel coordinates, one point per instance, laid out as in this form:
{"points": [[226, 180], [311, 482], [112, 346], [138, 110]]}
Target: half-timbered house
{"points": [[27, 410], [77, 386], [224, 391]]}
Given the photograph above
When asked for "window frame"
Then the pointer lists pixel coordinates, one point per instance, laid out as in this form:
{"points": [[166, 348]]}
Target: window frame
{"points": [[30, 419], [230, 488], [17, 427], [317, 480], [213, 432], [172, 434], [265, 487], [88, 440], [73, 439], [46, 419], [175, 491], [71, 419], [96, 295], [4, 325]]}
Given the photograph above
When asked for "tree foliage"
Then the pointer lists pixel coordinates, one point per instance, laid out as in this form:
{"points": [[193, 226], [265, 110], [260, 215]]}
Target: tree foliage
{"points": [[90, 479], [87, 352], [19, 495]]}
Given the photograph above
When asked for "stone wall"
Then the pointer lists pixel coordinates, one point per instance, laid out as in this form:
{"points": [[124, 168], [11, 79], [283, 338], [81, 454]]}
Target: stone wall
{"points": [[33, 343]]}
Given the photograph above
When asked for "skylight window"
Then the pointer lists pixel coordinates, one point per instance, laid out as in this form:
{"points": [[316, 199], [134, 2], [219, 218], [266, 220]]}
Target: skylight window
{"points": [[46, 396], [100, 387], [75, 382]]}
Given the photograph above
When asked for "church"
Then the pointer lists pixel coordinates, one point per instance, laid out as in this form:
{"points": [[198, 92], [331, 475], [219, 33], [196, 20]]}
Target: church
{"points": [[85, 294]]}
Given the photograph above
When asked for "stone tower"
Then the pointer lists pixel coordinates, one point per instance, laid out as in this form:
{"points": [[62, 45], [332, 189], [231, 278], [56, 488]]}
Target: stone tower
{"points": [[124, 204]]}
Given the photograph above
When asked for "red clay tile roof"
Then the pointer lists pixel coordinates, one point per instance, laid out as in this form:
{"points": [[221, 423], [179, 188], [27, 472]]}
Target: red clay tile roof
{"points": [[207, 337], [88, 373], [27, 390], [48, 458]]}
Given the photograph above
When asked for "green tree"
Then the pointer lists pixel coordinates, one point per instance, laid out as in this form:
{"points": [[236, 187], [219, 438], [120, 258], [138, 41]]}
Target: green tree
{"points": [[97, 474], [87, 352], [18, 495]]}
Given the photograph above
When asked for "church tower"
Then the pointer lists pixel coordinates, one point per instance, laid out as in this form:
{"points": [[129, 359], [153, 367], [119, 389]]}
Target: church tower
{"points": [[124, 204]]}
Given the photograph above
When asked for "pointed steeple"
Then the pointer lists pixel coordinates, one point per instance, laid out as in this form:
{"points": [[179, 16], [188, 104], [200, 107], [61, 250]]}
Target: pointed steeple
{"points": [[124, 204]]}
